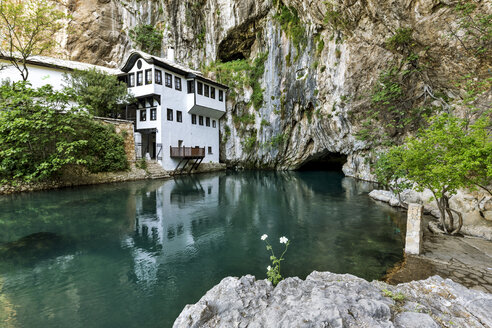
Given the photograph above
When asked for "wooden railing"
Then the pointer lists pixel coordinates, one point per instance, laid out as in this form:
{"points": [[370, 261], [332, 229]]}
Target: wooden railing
{"points": [[187, 152]]}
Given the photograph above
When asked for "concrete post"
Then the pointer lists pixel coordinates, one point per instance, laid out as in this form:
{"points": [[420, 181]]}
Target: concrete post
{"points": [[415, 233]]}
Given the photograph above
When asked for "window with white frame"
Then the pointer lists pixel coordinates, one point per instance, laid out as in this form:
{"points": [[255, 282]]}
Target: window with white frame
{"points": [[158, 76], [148, 76], [169, 80], [199, 86], [139, 78], [177, 83], [131, 80]]}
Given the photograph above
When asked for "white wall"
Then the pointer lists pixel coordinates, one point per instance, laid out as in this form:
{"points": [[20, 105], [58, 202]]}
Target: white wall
{"points": [[38, 75], [201, 100]]}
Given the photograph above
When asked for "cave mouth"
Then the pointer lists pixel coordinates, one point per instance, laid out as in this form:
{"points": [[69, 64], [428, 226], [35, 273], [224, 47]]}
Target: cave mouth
{"points": [[324, 162], [231, 57]]}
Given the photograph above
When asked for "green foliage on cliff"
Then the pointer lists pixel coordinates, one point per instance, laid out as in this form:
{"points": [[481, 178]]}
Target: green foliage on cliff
{"points": [[241, 73], [401, 38], [450, 154], [97, 91], [40, 134], [393, 112], [291, 24], [335, 17], [245, 119], [148, 38], [474, 28], [249, 143]]}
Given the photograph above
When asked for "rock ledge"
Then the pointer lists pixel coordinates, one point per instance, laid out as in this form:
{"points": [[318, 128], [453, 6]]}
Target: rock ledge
{"points": [[326, 299]]}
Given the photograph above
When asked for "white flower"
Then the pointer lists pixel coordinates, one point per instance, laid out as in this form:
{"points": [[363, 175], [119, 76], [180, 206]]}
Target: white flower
{"points": [[269, 268], [265, 236], [283, 240]]}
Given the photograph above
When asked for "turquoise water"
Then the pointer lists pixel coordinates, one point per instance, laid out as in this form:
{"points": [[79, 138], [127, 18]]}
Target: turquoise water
{"points": [[134, 254]]}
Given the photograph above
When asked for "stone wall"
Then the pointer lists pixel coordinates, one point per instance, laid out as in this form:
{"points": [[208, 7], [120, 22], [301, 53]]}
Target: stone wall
{"points": [[126, 129], [78, 176]]}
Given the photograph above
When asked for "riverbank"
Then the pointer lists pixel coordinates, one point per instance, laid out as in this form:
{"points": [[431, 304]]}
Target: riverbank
{"points": [[326, 299], [465, 260], [79, 176], [475, 206]]}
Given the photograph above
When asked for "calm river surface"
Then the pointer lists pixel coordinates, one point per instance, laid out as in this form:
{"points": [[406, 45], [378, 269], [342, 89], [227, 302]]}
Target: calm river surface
{"points": [[133, 254]]}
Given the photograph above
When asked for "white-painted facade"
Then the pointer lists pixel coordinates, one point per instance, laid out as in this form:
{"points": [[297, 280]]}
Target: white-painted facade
{"points": [[46, 70], [177, 107]]}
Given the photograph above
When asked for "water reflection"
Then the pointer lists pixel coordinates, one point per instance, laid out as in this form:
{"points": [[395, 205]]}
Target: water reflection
{"points": [[145, 249]]}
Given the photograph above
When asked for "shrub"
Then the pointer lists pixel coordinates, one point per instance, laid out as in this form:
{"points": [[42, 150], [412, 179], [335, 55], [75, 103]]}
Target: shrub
{"points": [[147, 37], [98, 91], [40, 134], [402, 38]]}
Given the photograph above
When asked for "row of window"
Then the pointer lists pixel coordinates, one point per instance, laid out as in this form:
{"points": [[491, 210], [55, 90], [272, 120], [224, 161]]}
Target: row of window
{"points": [[207, 91], [200, 120], [179, 117], [158, 79], [143, 114], [203, 89]]}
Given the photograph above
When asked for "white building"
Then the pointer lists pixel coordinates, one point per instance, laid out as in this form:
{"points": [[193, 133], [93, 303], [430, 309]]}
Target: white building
{"points": [[47, 70], [178, 111]]}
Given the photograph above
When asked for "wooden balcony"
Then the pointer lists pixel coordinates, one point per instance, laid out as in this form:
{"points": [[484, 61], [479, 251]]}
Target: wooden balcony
{"points": [[187, 152]]}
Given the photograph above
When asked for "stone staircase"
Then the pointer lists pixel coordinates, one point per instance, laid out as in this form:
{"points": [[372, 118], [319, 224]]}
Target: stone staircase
{"points": [[155, 170]]}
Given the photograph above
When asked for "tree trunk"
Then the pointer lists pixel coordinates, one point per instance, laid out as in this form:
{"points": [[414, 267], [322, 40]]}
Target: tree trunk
{"points": [[460, 221], [450, 213], [442, 211]]}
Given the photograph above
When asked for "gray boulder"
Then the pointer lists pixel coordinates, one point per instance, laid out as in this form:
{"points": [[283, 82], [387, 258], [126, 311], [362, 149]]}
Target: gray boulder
{"points": [[326, 299]]}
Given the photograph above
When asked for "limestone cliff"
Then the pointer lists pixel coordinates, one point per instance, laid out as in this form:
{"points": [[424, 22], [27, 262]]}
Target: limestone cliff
{"points": [[322, 61]]}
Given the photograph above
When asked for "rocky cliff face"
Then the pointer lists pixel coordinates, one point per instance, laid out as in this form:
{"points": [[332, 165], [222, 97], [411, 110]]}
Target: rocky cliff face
{"points": [[322, 60]]}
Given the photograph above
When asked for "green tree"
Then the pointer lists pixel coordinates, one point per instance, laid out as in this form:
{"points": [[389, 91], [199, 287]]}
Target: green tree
{"points": [[41, 133], [100, 92], [147, 37], [450, 154], [27, 28]]}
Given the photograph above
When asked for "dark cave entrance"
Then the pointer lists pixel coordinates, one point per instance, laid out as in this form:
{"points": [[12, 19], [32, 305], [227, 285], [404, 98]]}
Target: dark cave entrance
{"points": [[327, 161]]}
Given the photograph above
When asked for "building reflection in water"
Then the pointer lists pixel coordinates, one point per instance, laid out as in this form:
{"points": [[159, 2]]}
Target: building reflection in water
{"points": [[164, 220]]}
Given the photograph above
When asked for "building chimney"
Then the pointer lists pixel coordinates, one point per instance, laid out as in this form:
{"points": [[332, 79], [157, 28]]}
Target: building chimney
{"points": [[170, 54]]}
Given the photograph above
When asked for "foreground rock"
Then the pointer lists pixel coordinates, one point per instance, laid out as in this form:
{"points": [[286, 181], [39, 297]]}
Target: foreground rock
{"points": [[326, 299]]}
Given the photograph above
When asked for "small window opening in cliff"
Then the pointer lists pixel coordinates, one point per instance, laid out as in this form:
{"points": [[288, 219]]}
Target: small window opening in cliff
{"points": [[327, 161]]}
